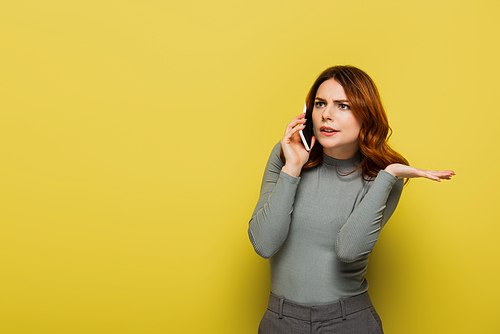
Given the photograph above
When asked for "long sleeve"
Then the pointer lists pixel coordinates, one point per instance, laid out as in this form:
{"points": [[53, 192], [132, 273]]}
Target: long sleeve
{"points": [[270, 223], [358, 235], [318, 229]]}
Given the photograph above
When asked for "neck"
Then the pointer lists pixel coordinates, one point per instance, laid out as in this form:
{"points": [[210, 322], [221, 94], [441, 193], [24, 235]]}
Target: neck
{"points": [[341, 154]]}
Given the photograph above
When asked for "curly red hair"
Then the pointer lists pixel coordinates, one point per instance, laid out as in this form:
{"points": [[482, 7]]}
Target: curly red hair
{"points": [[365, 103]]}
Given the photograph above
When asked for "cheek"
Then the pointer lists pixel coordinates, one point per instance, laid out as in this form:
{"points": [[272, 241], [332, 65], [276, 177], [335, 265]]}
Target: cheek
{"points": [[355, 125], [314, 115], [355, 131], [315, 120]]}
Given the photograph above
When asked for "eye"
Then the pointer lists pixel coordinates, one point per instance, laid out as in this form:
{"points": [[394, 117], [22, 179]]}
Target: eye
{"points": [[319, 104], [344, 106]]}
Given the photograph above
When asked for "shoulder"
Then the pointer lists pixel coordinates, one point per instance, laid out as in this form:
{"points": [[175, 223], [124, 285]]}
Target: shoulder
{"points": [[276, 149], [274, 163], [275, 155]]}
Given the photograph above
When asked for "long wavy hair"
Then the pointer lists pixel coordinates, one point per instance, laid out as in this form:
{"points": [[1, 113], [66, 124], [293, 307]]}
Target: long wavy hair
{"points": [[365, 103]]}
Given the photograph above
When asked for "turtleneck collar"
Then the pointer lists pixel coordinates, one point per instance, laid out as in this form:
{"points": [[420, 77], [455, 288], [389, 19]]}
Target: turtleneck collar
{"points": [[352, 162]]}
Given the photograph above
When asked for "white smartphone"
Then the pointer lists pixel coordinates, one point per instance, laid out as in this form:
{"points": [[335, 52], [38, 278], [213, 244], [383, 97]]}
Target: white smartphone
{"points": [[307, 133]]}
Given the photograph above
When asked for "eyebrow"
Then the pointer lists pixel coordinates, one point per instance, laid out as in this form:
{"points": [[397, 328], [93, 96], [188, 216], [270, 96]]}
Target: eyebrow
{"points": [[335, 101]]}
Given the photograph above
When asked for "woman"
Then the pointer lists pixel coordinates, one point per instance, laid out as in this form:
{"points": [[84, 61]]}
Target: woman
{"points": [[320, 212]]}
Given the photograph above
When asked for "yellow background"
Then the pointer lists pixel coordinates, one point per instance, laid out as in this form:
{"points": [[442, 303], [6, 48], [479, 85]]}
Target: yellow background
{"points": [[133, 137]]}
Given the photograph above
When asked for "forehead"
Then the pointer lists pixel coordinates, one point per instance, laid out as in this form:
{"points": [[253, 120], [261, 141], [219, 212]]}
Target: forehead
{"points": [[331, 89]]}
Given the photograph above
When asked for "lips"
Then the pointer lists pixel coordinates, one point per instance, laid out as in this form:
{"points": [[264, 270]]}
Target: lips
{"points": [[327, 131]]}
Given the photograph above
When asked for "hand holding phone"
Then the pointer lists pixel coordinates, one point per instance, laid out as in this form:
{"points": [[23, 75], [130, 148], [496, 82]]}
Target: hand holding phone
{"points": [[307, 133]]}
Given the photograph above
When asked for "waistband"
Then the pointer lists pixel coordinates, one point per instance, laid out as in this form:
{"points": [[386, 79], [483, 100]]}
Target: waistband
{"points": [[340, 309]]}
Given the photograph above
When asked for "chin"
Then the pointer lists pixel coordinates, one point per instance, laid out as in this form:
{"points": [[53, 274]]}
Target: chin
{"points": [[326, 143]]}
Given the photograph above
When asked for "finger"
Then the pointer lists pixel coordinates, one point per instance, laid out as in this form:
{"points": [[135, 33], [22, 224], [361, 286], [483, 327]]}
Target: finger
{"points": [[443, 174], [448, 173], [430, 176], [289, 135], [294, 123], [295, 138], [297, 118], [295, 129]]}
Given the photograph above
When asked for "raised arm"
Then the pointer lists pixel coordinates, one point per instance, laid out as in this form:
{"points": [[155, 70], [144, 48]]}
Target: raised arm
{"points": [[402, 171], [270, 223], [358, 235]]}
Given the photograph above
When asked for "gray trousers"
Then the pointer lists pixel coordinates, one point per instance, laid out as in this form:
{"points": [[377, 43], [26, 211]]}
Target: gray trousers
{"points": [[355, 315]]}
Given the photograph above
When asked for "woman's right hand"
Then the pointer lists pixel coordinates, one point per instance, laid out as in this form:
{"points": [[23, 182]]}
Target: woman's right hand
{"points": [[295, 153]]}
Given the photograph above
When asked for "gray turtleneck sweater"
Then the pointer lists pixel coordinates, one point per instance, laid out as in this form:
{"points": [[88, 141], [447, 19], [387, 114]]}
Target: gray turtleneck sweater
{"points": [[318, 229]]}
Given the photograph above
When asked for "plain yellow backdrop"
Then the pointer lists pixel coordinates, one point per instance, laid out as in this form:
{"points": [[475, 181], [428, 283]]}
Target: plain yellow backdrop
{"points": [[133, 137]]}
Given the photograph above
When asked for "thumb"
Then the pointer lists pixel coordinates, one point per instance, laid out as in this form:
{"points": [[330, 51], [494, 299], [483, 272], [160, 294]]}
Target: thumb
{"points": [[313, 140]]}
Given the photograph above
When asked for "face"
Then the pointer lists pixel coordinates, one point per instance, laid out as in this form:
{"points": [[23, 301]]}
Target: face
{"points": [[335, 126]]}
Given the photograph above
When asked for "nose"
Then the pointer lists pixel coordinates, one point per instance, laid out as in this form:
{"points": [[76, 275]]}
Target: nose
{"points": [[327, 114]]}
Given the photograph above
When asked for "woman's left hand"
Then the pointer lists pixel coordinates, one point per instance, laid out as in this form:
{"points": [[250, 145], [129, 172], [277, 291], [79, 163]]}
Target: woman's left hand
{"points": [[402, 171]]}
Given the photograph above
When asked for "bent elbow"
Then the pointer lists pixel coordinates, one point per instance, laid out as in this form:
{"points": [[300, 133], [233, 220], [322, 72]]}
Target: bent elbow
{"points": [[264, 252], [347, 255]]}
